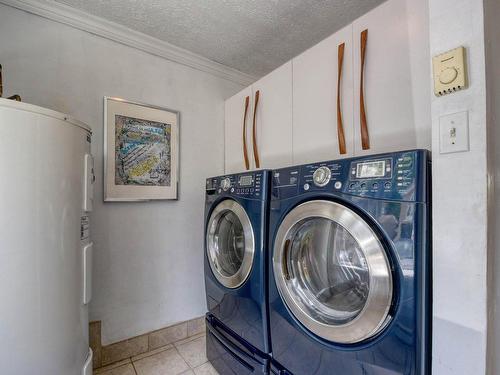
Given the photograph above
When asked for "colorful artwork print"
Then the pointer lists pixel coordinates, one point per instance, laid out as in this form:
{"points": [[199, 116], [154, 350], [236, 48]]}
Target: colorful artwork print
{"points": [[142, 152]]}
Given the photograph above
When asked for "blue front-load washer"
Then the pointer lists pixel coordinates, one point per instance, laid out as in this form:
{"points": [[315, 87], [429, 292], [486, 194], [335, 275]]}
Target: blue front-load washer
{"points": [[350, 266], [236, 212]]}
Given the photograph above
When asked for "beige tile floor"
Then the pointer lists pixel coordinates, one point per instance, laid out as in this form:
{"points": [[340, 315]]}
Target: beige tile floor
{"points": [[185, 357]]}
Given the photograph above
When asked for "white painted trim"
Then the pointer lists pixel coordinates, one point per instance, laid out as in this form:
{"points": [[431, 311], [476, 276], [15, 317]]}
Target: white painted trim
{"points": [[110, 30]]}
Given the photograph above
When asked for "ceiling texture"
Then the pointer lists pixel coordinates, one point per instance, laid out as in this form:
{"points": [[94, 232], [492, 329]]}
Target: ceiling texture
{"points": [[252, 36]]}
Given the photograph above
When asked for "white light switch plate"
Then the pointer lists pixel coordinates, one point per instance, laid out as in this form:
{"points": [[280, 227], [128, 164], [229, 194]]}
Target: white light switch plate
{"points": [[454, 133]]}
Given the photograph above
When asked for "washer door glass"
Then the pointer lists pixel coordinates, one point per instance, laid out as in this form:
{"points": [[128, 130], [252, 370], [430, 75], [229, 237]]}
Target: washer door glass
{"points": [[333, 272], [230, 244]]}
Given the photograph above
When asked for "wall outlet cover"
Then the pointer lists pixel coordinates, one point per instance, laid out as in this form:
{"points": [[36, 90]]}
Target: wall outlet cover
{"points": [[454, 133]]}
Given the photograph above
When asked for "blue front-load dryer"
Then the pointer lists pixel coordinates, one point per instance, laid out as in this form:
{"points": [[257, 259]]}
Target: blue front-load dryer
{"points": [[350, 266], [236, 214]]}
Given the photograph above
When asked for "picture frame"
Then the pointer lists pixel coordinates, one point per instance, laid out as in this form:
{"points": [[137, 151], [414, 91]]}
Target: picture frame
{"points": [[141, 151]]}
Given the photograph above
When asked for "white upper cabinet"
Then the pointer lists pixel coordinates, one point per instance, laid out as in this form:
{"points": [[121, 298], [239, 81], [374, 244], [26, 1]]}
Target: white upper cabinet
{"points": [[297, 112], [316, 129], [235, 121], [274, 118], [388, 95], [268, 123]]}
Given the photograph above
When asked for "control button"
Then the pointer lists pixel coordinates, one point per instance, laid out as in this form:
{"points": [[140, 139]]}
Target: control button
{"points": [[363, 186], [353, 172], [338, 185], [387, 185], [232, 190], [375, 185], [352, 185], [321, 176], [225, 184], [306, 187]]}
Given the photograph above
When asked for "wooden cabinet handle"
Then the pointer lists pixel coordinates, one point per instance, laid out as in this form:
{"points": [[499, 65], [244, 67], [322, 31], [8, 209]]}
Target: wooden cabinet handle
{"points": [[284, 262], [365, 138], [255, 148], [340, 125], [245, 151]]}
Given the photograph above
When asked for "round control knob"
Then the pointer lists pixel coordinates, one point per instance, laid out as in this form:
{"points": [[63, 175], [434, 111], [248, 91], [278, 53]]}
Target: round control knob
{"points": [[448, 75], [338, 185], [225, 184], [321, 176]]}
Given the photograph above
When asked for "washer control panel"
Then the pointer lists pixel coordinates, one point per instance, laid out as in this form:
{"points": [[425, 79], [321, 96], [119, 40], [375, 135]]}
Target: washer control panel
{"points": [[322, 176], [244, 184], [225, 184], [385, 176]]}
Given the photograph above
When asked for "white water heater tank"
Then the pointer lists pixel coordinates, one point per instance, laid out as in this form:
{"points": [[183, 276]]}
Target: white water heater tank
{"points": [[46, 184]]}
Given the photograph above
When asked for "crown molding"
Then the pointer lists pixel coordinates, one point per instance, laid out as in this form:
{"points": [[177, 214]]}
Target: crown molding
{"points": [[110, 30]]}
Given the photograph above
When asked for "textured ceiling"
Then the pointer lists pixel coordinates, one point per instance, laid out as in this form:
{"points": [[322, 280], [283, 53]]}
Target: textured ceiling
{"points": [[252, 36]]}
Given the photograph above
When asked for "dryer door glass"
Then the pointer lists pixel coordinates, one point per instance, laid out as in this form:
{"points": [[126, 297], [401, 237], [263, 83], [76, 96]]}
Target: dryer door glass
{"points": [[230, 244], [333, 272], [330, 270]]}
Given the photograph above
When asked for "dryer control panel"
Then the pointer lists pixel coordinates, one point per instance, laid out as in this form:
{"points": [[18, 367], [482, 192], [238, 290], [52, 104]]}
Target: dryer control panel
{"points": [[246, 185], [386, 176]]}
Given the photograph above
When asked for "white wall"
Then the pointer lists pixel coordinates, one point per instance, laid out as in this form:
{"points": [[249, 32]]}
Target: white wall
{"points": [[148, 267], [460, 191], [492, 29]]}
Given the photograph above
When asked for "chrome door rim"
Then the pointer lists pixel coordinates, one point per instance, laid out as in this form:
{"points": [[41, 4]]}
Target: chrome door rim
{"points": [[374, 314], [243, 272]]}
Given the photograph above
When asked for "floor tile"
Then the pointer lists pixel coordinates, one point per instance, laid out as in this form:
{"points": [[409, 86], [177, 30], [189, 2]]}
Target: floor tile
{"points": [[196, 326], [152, 352], [124, 349], [193, 352], [127, 369], [191, 338], [167, 362], [168, 335], [105, 369], [206, 369], [188, 372]]}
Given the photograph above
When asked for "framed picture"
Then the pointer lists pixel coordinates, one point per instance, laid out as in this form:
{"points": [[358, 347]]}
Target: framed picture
{"points": [[141, 151]]}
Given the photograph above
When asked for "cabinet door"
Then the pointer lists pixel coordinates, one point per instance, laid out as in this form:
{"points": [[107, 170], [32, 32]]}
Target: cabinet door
{"points": [[387, 81], [315, 78], [233, 131], [274, 118]]}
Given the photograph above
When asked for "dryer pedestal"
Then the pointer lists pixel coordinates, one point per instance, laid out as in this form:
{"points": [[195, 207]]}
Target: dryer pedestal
{"points": [[229, 355]]}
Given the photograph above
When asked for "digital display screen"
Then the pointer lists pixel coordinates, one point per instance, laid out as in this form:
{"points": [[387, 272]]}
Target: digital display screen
{"points": [[370, 169], [246, 180]]}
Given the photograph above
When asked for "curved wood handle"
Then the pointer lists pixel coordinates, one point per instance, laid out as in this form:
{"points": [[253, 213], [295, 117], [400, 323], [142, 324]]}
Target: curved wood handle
{"points": [[245, 151], [340, 125], [255, 148], [365, 138], [284, 262]]}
